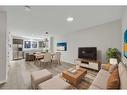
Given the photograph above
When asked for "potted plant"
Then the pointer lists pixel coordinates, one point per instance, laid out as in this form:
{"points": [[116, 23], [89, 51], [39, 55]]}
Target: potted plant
{"points": [[113, 53], [46, 50]]}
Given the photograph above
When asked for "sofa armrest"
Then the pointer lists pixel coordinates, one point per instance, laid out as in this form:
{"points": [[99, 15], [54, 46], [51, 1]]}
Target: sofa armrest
{"points": [[105, 66]]}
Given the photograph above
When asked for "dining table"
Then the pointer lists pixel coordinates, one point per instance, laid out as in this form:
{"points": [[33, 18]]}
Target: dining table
{"points": [[39, 56]]}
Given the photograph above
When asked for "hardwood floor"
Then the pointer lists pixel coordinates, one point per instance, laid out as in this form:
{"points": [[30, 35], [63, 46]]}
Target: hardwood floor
{"points": [[20, 71]]}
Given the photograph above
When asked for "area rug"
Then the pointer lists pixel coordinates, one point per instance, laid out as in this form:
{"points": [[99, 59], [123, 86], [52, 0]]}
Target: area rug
{"points": [[85, 82]]}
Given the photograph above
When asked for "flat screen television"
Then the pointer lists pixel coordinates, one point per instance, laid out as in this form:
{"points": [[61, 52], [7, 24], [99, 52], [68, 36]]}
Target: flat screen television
{"points": [[89, 53]]}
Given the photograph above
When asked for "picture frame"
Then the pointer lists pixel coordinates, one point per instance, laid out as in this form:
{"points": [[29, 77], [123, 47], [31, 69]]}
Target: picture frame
{"points": [[62, 46], [34, 44], [27, 44], [125, 44]]}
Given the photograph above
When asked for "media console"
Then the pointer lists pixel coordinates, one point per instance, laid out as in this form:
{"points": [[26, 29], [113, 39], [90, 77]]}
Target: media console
{"points": [[95, 65]]}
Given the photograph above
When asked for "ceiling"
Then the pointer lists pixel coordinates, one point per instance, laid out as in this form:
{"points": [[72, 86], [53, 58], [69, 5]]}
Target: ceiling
{"points": [[52, 19]]}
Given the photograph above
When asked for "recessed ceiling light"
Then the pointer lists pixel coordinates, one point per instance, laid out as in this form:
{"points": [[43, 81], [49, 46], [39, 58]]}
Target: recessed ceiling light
{"points": [[70, 19], [27, 8]]}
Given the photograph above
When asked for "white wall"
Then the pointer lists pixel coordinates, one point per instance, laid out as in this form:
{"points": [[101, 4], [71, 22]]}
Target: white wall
{"points": [[103, 36], [3, 47], [124, 27]]}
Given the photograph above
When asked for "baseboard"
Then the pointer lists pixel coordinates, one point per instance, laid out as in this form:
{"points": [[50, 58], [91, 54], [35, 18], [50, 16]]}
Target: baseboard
{"points": [[67, 62]]}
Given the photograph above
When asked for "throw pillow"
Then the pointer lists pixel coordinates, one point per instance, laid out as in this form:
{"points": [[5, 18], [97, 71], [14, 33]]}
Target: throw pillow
{"points": [[112, 68], [114, 81]]}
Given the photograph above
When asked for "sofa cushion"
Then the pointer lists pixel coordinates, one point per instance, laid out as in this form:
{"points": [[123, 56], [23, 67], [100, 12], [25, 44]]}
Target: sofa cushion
{"points": [[114, 81], [55, 83], [101, 79], [123, 75]]}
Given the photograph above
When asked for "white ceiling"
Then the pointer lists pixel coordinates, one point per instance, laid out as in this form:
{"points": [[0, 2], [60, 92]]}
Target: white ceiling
{"points": [[53, 18]]}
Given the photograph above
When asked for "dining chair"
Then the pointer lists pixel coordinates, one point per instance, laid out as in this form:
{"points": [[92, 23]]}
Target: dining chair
{"points": [[46, 59], [56, 57]]}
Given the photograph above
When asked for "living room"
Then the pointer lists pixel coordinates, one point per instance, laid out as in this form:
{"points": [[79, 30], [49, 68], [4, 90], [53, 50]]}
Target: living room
{"points": [[68, 32]]}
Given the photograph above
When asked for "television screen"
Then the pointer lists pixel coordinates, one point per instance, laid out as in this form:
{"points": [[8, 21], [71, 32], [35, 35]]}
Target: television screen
{"points": [[89, 53]]}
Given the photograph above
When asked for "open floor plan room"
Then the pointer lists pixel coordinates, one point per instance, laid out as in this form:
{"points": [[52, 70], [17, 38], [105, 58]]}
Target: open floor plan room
{"points": [[20, 71], [63, 47]]}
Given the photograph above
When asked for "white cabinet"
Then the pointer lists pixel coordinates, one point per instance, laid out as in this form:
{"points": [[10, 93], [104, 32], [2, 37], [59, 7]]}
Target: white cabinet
{"points": [[95, 65]]}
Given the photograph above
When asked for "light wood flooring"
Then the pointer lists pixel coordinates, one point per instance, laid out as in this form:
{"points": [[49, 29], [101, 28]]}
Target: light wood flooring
{"points": [[20, 71]]}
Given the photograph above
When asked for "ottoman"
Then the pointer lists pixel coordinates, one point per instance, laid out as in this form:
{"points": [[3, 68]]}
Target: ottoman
{"points": [[40, 76], [54, 83]]}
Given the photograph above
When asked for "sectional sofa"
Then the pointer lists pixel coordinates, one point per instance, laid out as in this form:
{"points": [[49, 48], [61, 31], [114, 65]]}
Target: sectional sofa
{"points": [[102, 78]]}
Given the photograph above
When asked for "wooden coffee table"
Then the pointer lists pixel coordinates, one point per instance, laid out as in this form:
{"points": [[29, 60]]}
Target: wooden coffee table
{"points": [[75, 78]]}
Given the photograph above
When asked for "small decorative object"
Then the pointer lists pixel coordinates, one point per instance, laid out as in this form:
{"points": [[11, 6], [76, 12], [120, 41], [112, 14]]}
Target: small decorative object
{"points": [[62, 46], [113, 61], [72, 70], [77, 66], [46, 50], [113, 53]]}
